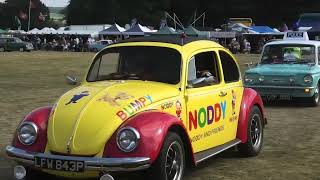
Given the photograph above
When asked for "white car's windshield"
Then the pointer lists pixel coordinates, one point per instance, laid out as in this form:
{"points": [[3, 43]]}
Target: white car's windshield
{"points": [[288, 53], [148, 63]]}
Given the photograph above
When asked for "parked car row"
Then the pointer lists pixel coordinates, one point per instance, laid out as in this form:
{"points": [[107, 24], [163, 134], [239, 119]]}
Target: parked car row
{"points": [[14, 44]]}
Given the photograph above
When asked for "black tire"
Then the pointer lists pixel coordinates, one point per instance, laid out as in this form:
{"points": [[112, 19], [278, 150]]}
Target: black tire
{"points": [[255, 134], [314, 101], [171, 158]]}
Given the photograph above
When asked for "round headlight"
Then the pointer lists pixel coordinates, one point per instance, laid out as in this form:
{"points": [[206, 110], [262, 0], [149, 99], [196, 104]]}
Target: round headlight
{"points": [[261, 79], [308, 79], [128, 139], [27, 133], [247, 79]]}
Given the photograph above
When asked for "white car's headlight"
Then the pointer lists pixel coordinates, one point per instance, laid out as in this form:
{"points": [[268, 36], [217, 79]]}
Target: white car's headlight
{"points": [[27, 133], [248, 79], [261, 78], [128, 139], [308, 79]]}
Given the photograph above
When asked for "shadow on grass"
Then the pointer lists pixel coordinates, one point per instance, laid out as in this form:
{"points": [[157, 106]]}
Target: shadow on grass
{"points": [[286, 103]]}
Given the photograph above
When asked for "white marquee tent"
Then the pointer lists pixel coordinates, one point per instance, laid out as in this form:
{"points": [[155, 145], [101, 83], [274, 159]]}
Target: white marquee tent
{"points": [[138, 30], [113, 30]]}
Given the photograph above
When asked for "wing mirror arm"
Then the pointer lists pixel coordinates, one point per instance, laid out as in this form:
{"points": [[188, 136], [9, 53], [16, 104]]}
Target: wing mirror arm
{"points": [[71, 80], [249, 65]]}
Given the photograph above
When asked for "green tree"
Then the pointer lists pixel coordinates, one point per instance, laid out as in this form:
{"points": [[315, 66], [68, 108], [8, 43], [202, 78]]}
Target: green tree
{"points": [[20, 8]]}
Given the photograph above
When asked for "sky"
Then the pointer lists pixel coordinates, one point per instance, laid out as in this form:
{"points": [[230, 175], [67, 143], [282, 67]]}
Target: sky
{"points": [[53, 3], [56, 3]]}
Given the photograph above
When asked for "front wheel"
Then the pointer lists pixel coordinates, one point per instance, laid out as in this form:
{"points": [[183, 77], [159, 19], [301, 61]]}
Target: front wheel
{"points": [[21, 49], [255, 134], [170, 164], [315, 99]]}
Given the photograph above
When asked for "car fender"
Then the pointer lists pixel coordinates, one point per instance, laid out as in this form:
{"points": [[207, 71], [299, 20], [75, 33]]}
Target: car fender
{"points": [[250, 98], [40, 117], [153, 127]]}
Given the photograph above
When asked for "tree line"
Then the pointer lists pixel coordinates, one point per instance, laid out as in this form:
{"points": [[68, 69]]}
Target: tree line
{"points": [[150, 12], [267, 12], [15, 14]]}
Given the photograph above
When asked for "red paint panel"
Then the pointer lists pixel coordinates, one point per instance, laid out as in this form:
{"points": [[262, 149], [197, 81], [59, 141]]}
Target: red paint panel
{"points": [[153, 127], [40, 117], [249, 99]]}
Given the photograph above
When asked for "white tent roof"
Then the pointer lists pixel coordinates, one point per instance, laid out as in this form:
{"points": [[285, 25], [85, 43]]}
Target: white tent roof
{"points": [[113, 30], [138, 30], [47, 30]]}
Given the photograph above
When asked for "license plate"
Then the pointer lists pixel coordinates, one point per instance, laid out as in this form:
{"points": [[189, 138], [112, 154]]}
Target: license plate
{"points": [[285, 97], [59, 164]]}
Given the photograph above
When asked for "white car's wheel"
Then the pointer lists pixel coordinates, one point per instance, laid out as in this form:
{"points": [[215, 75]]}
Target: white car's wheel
{"points": [[21, 49], [315, 99]]}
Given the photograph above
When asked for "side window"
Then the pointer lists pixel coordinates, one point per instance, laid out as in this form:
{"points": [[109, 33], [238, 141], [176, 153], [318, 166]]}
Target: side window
{"points": [[203, 70], [230, 68], [103, 67]]}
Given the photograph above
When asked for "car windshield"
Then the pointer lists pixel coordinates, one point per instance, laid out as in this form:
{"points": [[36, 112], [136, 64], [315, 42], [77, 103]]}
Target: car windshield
{"points": [[288, 54], [147, 63], [18, 40]]}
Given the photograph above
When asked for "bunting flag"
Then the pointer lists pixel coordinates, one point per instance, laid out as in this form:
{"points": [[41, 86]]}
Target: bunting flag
{"points": [[23, 15], [42, 17]]}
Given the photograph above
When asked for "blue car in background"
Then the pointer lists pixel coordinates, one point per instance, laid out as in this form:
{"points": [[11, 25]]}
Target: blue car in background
{"points": [[99, 45], [288, 69]]}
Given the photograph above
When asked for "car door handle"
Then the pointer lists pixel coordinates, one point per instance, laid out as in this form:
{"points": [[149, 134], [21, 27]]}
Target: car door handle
{"points": [[223, 93]]}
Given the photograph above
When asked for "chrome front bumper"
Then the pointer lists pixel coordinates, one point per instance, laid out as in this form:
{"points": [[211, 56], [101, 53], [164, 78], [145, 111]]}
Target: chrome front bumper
{"points": [[278, 87], [290, 91], [91, 163]]}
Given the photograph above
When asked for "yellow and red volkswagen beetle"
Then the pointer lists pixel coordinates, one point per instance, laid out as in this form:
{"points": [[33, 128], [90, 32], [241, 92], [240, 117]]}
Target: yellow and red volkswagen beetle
{"points": [[155, 104]]}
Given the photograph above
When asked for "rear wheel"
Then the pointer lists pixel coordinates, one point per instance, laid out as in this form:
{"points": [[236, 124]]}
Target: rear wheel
{"points": [[170, 164], [1, 49], [255, 134]]}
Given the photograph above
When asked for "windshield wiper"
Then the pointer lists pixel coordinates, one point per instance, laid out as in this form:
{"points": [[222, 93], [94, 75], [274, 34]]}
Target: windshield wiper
{"points": [[304, 62]]}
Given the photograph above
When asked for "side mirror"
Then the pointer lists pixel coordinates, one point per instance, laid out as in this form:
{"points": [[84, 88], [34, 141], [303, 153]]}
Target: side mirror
{"points": [[71, 80], [249, 65]]}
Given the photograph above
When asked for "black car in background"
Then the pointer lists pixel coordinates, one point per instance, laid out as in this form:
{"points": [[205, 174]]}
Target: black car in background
{"points": [[14, 44]]}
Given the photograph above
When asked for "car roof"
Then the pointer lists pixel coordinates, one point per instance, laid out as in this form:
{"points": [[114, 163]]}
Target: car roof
{"points": [[177, 40], [303, 42]]}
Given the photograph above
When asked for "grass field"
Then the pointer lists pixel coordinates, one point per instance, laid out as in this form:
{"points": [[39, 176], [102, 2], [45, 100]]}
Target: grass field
{"points": [[292, 136]]}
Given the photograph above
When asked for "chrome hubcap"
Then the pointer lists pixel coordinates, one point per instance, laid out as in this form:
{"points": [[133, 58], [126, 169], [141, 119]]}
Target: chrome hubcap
{"points": [[255, 131], [316, 95], [174, 162]]}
